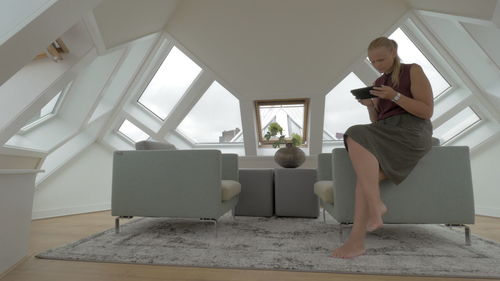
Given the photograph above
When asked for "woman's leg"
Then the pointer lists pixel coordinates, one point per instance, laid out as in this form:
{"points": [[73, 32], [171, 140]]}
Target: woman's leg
{"points": [[355, 244], [369, 175]]}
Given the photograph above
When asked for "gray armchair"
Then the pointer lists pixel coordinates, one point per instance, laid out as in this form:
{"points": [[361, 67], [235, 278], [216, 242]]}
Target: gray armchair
{"points": [[174, 183], [438, 190]]}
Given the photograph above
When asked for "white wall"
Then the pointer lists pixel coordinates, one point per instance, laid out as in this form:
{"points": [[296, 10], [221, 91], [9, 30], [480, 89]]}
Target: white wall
{"points": [[82, 185], [16, 196], [486, 179]]}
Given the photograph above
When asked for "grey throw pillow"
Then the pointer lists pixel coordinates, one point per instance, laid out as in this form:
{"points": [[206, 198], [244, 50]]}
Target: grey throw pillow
{"points": [[154, 145]]}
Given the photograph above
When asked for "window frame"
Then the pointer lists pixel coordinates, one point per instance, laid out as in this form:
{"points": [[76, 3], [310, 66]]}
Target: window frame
{"points": [[467, 128], [31, 126], [258, 103]]}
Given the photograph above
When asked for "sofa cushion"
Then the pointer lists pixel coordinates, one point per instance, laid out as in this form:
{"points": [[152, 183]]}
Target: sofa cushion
{"points": [[324, 190], [230, 189], [154, 145]]}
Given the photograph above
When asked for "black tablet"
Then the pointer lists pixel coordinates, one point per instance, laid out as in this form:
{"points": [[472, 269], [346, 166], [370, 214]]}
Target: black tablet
{"points": [[363, 93]]}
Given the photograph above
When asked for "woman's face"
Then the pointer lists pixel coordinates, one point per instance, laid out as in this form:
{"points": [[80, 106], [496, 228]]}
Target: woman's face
{"points": [[382, 59]]}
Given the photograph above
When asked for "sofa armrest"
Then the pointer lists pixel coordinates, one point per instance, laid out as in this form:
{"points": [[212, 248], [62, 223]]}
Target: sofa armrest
{"points": [[324, 167], [230, 167]]}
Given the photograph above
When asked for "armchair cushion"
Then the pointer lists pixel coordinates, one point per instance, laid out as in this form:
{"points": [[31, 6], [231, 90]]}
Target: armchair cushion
{"points": [[229, 189], [324, 190]]}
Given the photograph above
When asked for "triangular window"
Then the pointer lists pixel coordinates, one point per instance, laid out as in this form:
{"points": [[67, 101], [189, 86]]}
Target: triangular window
{"points": [[46, 112], [409, 53], [342, 110], [132, 132], [215, 118]]}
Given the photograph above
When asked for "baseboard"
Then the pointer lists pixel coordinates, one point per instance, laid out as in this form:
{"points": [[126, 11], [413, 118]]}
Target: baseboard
{"points": [[488, 211], [42, 214], [12, 267]]}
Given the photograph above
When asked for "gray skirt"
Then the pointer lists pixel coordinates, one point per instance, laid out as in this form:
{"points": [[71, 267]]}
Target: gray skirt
{"points": [[398, 143]]}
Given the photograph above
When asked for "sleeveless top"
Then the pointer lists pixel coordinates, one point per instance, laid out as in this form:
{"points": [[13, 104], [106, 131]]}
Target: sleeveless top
{"points": [[388, 108]]}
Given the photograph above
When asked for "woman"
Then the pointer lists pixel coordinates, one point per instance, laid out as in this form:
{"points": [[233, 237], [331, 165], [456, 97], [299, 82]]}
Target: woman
{"points": [[390, 147]]}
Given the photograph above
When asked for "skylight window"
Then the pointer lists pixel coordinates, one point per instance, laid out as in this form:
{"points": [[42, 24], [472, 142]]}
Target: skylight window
{"points": [[169, 84], [342, 110], [409, 53], [456, 125], [291, 115], [132, 132], [48, 110], [215, 118]]}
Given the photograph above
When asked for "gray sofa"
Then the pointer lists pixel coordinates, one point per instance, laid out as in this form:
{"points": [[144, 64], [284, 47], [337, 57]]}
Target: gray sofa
{"points": [[174, 183], [438, 190]]}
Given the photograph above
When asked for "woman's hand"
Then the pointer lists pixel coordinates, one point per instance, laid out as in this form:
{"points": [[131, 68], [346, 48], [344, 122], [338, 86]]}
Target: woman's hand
{"points": [[367, 102], [384, 92]]}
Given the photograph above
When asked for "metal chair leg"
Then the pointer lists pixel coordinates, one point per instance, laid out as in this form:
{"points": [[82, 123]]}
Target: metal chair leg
{"points": [[467, 235], [215, 225], [466, 230], [117, 222], [117, 225]]}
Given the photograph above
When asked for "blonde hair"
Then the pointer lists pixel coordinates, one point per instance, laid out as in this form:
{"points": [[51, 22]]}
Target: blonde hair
{"points": [[391, 45]]}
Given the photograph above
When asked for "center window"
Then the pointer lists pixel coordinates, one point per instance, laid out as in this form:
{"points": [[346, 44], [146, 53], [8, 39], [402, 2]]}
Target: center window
{"points": [[290, 114]]}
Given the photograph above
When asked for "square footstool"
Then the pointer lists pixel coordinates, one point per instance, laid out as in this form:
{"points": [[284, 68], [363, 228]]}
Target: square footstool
{"points": [[294, 193], [257, 193]]}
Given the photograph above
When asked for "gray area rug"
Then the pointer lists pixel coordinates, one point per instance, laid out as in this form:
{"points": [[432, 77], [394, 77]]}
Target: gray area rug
{"points": [[287, 244]]}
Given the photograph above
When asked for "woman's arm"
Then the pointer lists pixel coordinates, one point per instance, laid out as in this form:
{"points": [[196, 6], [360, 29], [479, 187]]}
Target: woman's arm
{"points": [[371, 105], [422, 103]]}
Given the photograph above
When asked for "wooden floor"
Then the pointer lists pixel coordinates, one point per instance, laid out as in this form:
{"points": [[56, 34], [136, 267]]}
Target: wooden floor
{"points": [[49, 233]]}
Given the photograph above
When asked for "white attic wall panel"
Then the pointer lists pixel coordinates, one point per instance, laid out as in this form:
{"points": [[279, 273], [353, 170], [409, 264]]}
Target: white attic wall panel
{"points": [[496, 15], [63, 154], [468, 54], [464, 8], [88, 86], [488, 38], [486, 178], [82, 185], [71, 149], [39, 81], [40, 28], [249, 45], [121, 21], [15, 14], [127, 70]]}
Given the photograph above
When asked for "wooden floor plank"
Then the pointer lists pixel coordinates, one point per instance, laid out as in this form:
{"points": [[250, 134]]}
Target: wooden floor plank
{"points": [[48, 233]]}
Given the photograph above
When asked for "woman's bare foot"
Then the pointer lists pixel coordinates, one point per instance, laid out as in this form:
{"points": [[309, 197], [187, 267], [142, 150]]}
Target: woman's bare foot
{"points": [[348, 250], [375, 221]]}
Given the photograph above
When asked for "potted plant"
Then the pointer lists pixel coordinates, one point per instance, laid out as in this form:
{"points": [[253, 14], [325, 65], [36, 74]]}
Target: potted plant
{"points": [[289, 156]]}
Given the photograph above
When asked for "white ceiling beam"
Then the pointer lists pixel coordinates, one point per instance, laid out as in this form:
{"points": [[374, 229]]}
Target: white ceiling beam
{"points": [[33, 38]]}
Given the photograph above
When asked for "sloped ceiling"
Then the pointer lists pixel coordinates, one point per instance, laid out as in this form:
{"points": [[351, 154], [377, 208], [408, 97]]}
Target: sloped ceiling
{"points": [[121, 21], [479, 9], [281, 48]]}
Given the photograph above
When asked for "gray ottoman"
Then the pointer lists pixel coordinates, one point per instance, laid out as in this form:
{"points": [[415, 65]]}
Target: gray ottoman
{"points": [[257, 193], [294, 193]]}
